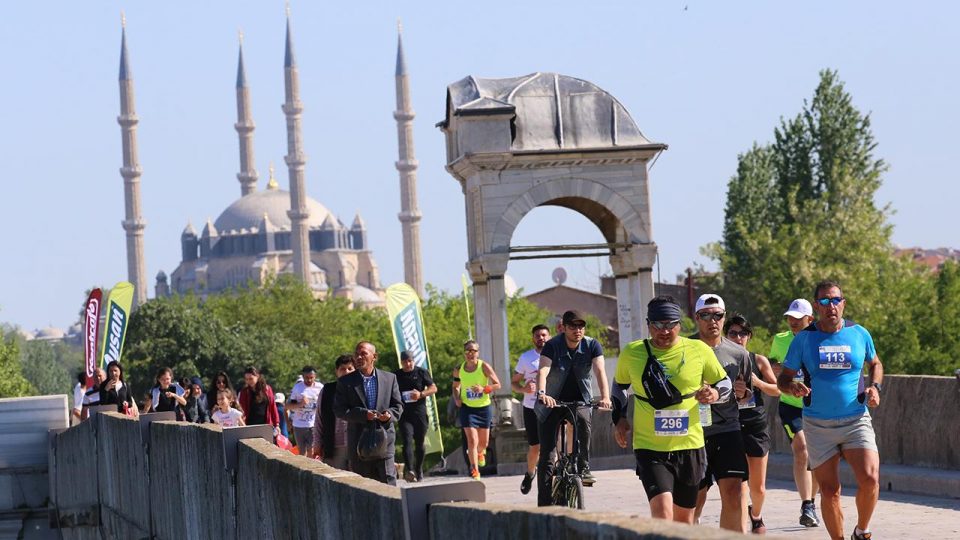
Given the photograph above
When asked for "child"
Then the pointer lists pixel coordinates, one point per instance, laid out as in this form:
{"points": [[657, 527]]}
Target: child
{"points": [[226, 414]]}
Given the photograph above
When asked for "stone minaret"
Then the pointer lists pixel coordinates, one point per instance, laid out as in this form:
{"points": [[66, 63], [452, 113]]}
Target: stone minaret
{"points": [[295, 159], [244, 126], [133, 222], [407, 166]]}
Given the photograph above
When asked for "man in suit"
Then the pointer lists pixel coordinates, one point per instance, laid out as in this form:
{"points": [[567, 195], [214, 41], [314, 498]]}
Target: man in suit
{"points": [[367, 395]]}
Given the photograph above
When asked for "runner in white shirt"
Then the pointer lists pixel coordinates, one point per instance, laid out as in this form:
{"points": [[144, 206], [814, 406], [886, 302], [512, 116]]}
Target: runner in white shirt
{"points": [[524, 380], [303, 408], [225, 414]]}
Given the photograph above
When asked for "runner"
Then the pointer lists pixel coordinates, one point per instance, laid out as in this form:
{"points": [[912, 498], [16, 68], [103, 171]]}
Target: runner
{"points": [[753, 423], [304, 399], [726, 456], [473, 382], [574, 355], [668, 439], [524, 381], [835, 395], [799, 315]]}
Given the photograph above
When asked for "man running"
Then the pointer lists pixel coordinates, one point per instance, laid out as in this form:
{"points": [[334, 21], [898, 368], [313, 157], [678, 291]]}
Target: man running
{"points": [[573, 355], [524, 381], [668, 441], [832, 353], [799, 315], [726, 455]]}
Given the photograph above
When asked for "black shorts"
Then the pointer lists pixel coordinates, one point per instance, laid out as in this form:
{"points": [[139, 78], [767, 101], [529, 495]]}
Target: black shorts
{"points": [[756, 439], [792, 419], [678, 472], [726, 458], [530, 425]]}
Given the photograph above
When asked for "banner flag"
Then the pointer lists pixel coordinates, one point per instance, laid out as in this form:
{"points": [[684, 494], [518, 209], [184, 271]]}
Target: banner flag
{"points": [[115, 331], [91, 334], [406, 321]]}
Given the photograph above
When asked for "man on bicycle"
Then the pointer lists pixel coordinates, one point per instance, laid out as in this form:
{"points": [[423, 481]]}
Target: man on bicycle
{"points": [[564, 374], [668, 441]]}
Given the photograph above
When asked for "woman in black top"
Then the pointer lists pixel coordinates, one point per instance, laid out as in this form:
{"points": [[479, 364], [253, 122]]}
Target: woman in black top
{"points": [[167, 395], [114, 391]]}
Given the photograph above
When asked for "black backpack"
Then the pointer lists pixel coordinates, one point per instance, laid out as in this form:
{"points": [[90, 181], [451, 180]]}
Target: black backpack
{"points": [[661, 393]]}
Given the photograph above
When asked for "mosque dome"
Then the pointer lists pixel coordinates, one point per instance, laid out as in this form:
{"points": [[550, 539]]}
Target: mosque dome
{"points": [[549, 110], [247, 212]]}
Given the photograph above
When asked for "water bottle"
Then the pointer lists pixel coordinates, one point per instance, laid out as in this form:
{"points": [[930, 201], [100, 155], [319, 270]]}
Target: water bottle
{"points": [[706, 418]]}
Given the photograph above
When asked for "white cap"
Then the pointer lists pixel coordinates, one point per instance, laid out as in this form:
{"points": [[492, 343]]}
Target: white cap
{"points": [[279, 397], [702, 302], [799, 309]]}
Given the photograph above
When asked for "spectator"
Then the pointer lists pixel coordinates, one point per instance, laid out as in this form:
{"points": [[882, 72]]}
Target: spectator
{"points": [[303, 408], [330, 432], [416, 385], [195, 410], [226, 414], [115, 391], [196, 380], [79, 390], [279, 399], [92, 395], [167, 395], [220, 381], [365, 396], [257, 401]]}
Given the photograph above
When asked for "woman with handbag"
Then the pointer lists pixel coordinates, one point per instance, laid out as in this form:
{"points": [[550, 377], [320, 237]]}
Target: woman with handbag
{"points": [[473, 382], [115, 391]]}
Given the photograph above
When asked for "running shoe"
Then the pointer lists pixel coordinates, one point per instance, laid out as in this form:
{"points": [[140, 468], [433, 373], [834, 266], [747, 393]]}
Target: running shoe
{"points": [[587, 477], [409, 476], [474, 473], [527, 482], [808, 515], [861, 536], [482, 459], [756, 525]]}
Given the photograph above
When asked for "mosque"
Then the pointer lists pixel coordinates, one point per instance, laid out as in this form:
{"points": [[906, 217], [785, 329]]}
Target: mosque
{"points": [[273, 232]]}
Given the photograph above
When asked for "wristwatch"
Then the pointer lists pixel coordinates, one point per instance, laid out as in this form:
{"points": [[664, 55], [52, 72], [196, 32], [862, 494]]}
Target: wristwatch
{"points": [[878, 386], [541, 393]]}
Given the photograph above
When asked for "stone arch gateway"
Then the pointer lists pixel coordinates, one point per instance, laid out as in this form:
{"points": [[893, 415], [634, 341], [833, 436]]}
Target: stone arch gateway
{"points": [[548, 140]]}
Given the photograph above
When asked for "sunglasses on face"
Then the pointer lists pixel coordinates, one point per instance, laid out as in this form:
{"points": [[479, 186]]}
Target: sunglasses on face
{"points": [[742, 334], [471, 350], [835, 300], [664, 325], [718, 316], [576, 326]]}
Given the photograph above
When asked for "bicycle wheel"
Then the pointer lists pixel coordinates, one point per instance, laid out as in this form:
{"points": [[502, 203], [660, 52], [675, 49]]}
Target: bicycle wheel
{"points": [[574, 488]]}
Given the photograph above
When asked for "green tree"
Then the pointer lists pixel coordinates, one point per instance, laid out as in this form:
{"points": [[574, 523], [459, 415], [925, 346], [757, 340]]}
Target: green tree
{"points": [[12, 382], [802, 209], [51, 367]]}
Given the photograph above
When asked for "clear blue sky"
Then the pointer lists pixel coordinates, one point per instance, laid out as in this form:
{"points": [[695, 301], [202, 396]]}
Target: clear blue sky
{"points": [[707, 78]]}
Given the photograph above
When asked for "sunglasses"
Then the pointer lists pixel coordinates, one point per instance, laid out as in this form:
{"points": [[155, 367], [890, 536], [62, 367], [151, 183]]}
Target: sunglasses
{"points": [[742, 333], [576, 326], [664, 325], [718, 316], [835, 300], [471, 350]]}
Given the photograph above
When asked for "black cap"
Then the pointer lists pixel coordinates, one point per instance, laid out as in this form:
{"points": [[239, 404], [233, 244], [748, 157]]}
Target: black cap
{"points": [[573, 316]]}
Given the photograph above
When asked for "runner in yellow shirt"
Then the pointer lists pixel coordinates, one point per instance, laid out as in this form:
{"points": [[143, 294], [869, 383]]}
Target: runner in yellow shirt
{"points": [[668, 439]]}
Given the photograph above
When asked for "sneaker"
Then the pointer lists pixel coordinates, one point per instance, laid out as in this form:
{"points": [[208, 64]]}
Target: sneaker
{"points": [[861, 536], [756, 525], [808, 515], [482, 459], [409, 476], [474, 473], [527, 482], [587, 477]]}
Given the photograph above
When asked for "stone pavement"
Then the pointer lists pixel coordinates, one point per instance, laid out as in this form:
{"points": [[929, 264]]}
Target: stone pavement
{"points": [[898, 515]]}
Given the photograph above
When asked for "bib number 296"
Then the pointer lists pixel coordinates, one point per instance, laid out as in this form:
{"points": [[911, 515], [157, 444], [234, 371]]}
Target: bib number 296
{"points": [[671, 423]]}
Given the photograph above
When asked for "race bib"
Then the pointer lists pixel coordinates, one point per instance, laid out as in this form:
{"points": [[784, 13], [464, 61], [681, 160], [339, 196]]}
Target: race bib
{"points": [[670, 423], [835, 357], [408, 396], [748, 404], [474, 395]]}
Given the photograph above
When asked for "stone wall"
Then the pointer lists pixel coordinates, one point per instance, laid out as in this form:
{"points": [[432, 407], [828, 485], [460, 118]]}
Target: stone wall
{"points": [[122, 464]]}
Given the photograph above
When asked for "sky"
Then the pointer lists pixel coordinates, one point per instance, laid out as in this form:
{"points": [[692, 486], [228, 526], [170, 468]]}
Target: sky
{"points": [[707, 78]]}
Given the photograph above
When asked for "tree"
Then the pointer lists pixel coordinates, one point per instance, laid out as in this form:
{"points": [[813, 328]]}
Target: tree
{"points": [[802, 209], [12, 382], [50, 367]]}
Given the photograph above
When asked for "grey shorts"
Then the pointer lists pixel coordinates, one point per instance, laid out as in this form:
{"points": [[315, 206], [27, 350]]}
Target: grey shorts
{"points": [[304, 437], [826, 438]]}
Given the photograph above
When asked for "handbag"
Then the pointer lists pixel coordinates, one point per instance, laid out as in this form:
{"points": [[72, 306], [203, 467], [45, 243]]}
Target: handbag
{"points": [[661, 393], [373, 445]]}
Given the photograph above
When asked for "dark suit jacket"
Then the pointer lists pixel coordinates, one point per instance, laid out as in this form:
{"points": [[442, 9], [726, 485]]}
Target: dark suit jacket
{"points": [[350, 404]]}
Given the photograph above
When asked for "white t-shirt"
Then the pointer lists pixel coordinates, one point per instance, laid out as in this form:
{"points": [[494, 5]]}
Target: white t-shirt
{"points": [[78, 392], [231, 418], [527, 366], [309, 397]]}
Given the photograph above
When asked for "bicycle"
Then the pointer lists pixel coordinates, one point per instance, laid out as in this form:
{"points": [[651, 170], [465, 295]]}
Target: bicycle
{"points": [[567, 486]]}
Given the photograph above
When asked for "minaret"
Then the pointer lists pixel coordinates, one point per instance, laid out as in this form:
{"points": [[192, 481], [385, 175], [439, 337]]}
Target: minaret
{"points": [[244, 126], [295, 159], [133, 222], [407, 166]]}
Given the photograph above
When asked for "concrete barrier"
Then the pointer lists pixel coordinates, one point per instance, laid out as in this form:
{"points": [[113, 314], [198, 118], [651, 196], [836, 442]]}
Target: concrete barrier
{"points": [[123, 489], [76, 497]]}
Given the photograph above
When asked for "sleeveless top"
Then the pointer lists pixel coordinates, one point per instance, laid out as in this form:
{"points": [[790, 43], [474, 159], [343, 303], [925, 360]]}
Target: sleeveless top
{"points": [[469, 379]]}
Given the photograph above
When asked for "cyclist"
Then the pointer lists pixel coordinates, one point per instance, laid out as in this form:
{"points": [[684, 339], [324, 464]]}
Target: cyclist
{"points": [[668, 442], [564, 374]]}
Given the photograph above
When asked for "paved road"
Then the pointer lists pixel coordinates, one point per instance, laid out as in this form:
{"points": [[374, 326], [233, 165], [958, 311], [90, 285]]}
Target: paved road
{"points": [[898, 515]]}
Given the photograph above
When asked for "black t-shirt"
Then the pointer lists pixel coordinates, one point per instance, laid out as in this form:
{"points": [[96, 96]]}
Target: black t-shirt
{"points": [[416, 379], [258, 412]]}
